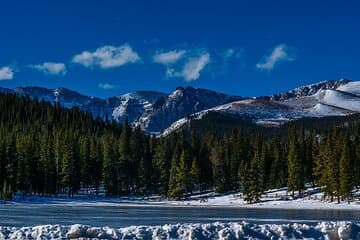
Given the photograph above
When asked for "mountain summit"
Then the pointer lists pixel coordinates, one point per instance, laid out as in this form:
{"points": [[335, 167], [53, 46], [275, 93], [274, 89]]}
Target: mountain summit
{"points": [[156, 112]]}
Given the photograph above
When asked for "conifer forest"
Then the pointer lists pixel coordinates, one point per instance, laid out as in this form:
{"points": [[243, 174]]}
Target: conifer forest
{"points": [[49, 150]]}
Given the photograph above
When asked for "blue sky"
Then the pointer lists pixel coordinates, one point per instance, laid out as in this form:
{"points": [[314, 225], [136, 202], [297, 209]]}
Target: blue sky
{"points": [[105, 48]]}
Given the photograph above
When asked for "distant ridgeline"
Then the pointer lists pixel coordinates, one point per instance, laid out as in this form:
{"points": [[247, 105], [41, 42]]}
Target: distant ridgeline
{"points": [[47, 150]]}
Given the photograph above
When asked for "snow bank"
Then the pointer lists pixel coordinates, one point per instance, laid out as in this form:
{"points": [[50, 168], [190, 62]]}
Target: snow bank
{"points": [[273, 198], [243, 230]]}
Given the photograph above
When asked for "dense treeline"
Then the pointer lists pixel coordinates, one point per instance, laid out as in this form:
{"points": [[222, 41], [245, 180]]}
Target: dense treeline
{"points": [[48, 150]]}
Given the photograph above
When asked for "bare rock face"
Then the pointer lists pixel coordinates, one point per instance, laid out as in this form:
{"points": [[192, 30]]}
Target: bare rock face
{"points": [[155, 112], [178, 104]]}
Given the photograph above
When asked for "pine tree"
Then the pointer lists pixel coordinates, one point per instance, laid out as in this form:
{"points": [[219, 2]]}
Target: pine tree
{"points": [[264, 167], [6, 192], [205, 168], [356, 162], [70, 175], [250, 180], [218, 160], [179, 178], [137, 155], [11, 165], [278, 169], [85, 162], [110, 178], [23, 168], [124, 169], [345, 171], [145, 169], [194, 175], [96, 162], [48, 166], [162, 167], [295, 167], [3, 172]]}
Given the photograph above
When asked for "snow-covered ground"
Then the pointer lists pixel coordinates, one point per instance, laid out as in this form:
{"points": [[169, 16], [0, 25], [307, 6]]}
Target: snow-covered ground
{"points": [[276, 198], [242, 230]]}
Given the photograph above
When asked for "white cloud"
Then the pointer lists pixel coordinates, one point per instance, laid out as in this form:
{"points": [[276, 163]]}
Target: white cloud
{"points": [[192, 68], [51, 68], [106, 86], [279, 53], [235, 53], [107, 57], [6, 73], [169, 57]]}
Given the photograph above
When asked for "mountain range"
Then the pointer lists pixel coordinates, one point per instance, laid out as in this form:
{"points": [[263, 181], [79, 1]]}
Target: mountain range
{"points": [[162, 113]]}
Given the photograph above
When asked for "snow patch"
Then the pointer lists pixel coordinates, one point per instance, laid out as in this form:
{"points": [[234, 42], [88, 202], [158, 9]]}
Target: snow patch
{"points": [[217, 230], [351, 87], [340, 100]]}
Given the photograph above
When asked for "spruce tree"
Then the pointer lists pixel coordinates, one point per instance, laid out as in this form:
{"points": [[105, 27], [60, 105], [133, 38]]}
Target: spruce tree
{"points": [[345, 172], [109, 177], [162, 167], [251, 180], [194, 175], [295, 167], [178, 178], [145, 170], [124, 168]]}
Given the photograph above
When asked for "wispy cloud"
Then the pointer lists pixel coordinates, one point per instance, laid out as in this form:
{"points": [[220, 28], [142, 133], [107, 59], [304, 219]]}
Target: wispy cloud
{"points": [[6, 73], [226, 60], [51, 68], [107, 57], [192, 68], [279, 53], [169, 57], [106, 86], [235, 53]]}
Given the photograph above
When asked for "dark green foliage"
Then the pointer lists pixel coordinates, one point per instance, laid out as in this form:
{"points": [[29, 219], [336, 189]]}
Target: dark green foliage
{"points": [[179, 177], [346, 181], [295, 162], [49, 150]]}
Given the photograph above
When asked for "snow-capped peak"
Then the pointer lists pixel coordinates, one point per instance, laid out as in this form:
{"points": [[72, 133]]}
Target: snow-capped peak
{"points": [[309, 90], [155, 111]]}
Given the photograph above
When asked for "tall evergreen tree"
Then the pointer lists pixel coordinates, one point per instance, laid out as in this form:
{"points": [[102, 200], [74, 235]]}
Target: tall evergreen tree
{"points": [[110, 173], [295, 167], [345, 172], [124, 168], [251, 180], [179, 178]]}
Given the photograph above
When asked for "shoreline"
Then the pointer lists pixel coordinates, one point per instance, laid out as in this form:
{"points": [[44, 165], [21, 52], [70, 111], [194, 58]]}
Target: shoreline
{"points": [[299, 204]]}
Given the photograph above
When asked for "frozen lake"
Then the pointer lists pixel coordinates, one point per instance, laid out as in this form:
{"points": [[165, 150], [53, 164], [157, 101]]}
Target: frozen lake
{"points": [[121, 216]]}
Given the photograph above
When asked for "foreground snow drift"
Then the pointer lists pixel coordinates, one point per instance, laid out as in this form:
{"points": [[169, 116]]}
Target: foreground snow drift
{"points": [[323, 230]]}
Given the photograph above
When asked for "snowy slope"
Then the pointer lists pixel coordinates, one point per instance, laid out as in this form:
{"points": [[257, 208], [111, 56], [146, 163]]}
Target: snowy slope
{"points": [[64, 96], [133, 105], [309, 90], [178, 104], [130, 105], [156, 112], [309, 101], [258, 110], [351, 87], [340, 99]]}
